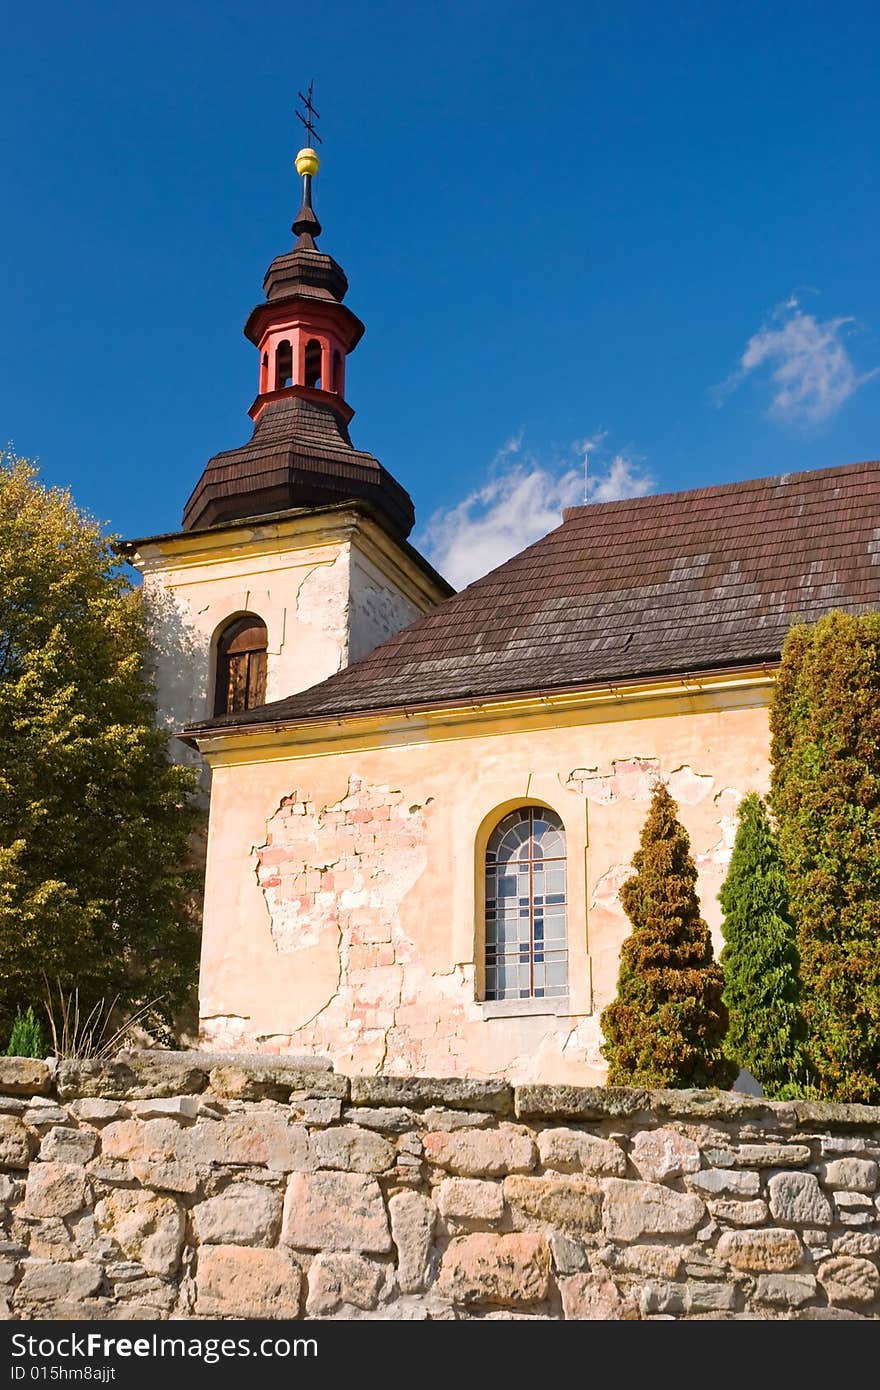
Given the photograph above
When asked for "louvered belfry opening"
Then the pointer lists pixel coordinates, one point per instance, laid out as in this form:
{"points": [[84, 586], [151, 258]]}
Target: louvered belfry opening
{"points": [[241, 666]]}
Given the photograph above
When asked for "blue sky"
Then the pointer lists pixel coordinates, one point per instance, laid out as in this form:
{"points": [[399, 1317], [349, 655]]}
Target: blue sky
{"points": [[644, 231]]}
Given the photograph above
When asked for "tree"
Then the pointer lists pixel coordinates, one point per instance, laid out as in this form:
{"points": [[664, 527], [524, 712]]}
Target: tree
{"points": [[760, 959], [825, 796], [666, 1027], [27, 1038], [94, 817]]}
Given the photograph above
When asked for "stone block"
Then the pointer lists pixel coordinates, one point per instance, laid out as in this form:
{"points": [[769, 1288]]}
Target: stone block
{"points": [[352, 1149], [858, 1243], [413, 1217], [482, 1152], [99, 1112], [275, 1082], [771, 1250], [852, 1174], [233, 1281], [594, 1297], [573, 1151], [654, 1261], [45, 1281], [847, 1279], [571, 1204], [714, 1181], [739, 1213], [65, 1145], [342, 1279], [130, 1076], [664, 1153], [55, 1189], [148, 1229], [569, 1256], [335, 1211], [415, 1093], [17, 1144], [797, 1198], [245, 1213], [470, 1199], [167, 1108], [511, 1270], [636, 1209], [24, 1076], [579, 1102], [785, 1290], [772, 1155], [392, 1119]]}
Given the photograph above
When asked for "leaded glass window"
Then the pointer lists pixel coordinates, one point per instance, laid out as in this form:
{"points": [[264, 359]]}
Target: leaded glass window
{"points": [[526, 943]]}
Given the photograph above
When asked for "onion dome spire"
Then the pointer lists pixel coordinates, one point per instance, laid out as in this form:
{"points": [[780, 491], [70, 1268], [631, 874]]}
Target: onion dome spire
{"points": [[306, 225]]}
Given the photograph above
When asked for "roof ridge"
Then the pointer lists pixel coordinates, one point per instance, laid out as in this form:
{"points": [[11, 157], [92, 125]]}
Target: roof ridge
{"points": [[714, 489]]}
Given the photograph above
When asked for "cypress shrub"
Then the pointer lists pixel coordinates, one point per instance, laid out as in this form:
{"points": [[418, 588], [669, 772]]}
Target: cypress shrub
{"points": [[666, 1027], [26, 1038], [760, 959], [825, 796]]}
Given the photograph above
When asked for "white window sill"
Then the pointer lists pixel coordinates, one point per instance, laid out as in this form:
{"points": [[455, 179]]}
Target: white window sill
{"points": [[524, 1008]]}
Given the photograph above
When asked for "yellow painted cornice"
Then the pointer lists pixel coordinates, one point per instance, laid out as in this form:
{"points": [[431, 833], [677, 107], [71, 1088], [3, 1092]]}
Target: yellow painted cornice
{"points": [[219, 546], [675, 695]]}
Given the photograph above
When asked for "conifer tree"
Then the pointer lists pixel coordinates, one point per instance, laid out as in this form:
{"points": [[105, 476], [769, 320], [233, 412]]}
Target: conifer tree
{"points": [[94, 817], [825, 796], [666, 1027], [760, 960]]}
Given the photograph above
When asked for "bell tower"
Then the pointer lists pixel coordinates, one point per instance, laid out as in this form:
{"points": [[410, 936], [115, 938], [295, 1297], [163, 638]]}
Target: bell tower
{"points": [[292, 559]]}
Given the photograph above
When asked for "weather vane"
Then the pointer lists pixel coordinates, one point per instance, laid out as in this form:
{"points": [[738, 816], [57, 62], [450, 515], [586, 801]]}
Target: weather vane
{"points": [[311, 115]]}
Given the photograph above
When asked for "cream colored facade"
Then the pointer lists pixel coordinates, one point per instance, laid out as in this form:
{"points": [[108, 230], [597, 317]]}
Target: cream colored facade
{"points": [[344, 894], [329, 585]]}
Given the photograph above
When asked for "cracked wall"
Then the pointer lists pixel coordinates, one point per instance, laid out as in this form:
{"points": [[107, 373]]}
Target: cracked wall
{"points": [[344, 891]]}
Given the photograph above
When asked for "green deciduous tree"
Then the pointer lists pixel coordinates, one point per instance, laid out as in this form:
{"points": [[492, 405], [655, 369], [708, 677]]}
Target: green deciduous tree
{"points": [[825, 796], [94, 818], [760, 959], [666, 1027]]}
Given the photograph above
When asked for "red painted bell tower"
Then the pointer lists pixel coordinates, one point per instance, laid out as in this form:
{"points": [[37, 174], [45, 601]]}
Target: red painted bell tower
{"points": [[303, 331], [300, 453]]}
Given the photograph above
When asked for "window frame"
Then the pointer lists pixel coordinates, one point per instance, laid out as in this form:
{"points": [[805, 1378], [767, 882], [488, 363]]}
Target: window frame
{"points": [[495, 952]]}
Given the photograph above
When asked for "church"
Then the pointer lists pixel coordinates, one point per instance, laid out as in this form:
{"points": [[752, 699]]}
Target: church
{"points": [[423, 803]]}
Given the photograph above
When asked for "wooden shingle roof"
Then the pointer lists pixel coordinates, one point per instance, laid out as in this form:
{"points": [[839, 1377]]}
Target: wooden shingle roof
{"points": [[651, 586]]}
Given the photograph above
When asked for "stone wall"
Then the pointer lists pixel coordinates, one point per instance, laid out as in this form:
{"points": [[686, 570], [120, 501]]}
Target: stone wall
{"points": [[170, 1185]]}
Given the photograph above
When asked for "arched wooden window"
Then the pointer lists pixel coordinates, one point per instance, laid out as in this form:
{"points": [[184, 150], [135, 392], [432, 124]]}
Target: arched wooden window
{"points": [[526, 941], [283, 365], [241, 666], [313, 364]]}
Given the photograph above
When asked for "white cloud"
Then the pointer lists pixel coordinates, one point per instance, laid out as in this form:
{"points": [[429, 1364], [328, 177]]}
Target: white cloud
{"points": [[521, 502], [811, 371]]}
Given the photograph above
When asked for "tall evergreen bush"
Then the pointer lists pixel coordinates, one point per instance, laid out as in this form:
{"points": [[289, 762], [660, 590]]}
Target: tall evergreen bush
{"points": [[760, 959], [666, 1027], [825, 796]]}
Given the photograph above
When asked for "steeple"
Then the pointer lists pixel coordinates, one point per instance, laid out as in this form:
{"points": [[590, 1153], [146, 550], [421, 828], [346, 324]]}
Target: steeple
{"points": [[300, 453]]}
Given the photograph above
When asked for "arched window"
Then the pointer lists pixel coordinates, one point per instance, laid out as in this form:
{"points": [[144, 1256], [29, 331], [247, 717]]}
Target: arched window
{"points": [[337, 372], [313, 364], [283, 365], [241, 666], [526, 943]]}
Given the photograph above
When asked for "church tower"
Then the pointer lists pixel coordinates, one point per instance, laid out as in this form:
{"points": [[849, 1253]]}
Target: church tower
{"points": [[292, 559]]}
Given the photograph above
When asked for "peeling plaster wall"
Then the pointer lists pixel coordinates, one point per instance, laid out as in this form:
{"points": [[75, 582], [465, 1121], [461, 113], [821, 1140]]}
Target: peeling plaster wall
{"points": [[344, 891], [378, 608]]}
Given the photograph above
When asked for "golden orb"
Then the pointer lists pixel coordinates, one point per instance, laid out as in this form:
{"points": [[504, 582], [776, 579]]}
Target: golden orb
{"points": [[307, 162]]}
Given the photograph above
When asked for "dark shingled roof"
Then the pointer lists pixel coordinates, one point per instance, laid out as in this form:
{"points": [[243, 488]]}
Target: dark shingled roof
{"points": [[300, 454], [681, 583]]}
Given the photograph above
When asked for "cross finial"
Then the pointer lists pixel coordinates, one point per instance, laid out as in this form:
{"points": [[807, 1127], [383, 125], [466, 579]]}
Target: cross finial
{"points": [[311, 114]]}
